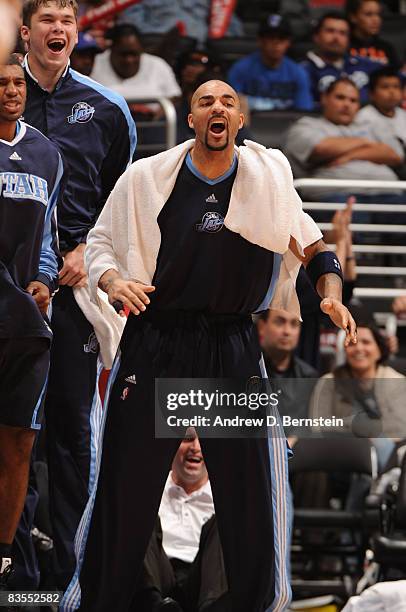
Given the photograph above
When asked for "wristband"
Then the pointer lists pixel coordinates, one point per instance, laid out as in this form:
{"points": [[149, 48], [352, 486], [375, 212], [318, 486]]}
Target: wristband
{"points": [[325, 262]]}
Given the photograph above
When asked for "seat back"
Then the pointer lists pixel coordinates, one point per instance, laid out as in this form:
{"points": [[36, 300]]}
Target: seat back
{"points": [[340, 454], [400, 516]]}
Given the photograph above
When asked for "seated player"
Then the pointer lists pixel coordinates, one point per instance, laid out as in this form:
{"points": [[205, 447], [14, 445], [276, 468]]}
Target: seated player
{"points": [[30, 178], [184, 559]]}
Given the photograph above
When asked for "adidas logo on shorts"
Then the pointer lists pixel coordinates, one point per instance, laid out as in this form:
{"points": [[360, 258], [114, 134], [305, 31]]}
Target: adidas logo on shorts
{"points": [[131, 379]]}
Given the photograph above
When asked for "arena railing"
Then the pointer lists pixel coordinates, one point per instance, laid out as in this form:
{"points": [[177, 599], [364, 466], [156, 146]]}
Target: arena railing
{"points": [[168, 123], [394, 272]]}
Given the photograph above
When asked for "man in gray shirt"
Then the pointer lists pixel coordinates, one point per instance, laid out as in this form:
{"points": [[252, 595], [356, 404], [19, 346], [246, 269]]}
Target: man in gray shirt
{"points": [[334, 146]]}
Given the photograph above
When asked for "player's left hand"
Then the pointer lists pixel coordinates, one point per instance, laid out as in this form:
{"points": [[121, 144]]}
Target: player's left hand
{"points": [[73, 272], [341, 316], [41, 295]]}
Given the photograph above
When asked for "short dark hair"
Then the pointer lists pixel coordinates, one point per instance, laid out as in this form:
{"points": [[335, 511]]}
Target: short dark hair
{"points": [[336, 82], [382, 73], [364, 318], [13, 60], [353, 6], [30, 7], [122, 30], [329, 15]]}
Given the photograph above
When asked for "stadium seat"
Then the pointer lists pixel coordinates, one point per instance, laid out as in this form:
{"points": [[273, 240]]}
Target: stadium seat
{"points": [[390, 546], [330, 535], [231, 48], [270, 128]]}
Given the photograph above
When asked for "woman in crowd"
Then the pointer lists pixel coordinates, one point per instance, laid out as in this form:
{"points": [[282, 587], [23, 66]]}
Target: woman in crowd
{"points": [[366, 394]]}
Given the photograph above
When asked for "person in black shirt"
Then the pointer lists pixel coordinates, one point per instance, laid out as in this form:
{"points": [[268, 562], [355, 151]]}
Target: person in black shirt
{"points": [[30, 182], [366, 21]]}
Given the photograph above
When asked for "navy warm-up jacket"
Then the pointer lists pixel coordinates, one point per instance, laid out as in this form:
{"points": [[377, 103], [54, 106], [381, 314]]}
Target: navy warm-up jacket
{"points": [[93, 129]]}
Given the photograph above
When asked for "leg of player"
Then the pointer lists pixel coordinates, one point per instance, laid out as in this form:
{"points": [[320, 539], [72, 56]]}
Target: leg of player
{"points": [[15, 452]]}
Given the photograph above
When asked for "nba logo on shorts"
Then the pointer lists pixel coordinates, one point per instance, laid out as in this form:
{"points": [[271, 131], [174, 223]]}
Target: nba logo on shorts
{"points": [[124, 394], [82, 112]]}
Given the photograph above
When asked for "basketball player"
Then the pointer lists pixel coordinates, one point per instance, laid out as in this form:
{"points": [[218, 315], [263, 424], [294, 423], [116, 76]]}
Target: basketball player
{"points": [[163, 247], [93, 129], [30, 179]]}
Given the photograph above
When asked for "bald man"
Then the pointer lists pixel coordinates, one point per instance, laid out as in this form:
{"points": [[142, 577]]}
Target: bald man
{"points": [[191, 285]]}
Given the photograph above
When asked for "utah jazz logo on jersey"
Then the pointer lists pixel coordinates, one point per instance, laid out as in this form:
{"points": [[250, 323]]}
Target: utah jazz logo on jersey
{"points": [[82, 112], [212, 222], [22, 186]]}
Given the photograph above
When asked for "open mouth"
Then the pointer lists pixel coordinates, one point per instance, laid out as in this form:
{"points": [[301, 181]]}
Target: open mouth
{"points": [[217, 126], [194, 460], [12, 106], [56, 46]]}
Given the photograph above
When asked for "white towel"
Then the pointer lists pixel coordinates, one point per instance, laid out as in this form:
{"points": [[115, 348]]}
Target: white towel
{"points": [[107, 324], [264, 209], [382, 597]]}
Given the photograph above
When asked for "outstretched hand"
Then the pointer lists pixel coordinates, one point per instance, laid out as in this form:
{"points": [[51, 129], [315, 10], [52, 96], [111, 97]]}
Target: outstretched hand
{"points": [[341, 316]]}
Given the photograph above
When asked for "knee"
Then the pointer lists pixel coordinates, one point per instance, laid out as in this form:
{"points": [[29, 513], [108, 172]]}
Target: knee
{"points": [[15, 446]]}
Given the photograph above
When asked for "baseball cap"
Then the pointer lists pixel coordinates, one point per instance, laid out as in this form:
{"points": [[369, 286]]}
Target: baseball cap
{"points": [[86, 42], [275, 24]]}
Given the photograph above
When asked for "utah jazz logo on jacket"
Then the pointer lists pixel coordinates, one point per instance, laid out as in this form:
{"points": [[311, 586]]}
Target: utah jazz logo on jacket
{"points": [[82, 112], [23, 186]]}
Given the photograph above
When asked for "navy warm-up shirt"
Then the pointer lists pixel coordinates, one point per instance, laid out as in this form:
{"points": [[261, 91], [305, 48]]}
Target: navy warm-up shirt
{"points": [[96, 135], [31, 175], [202, 265]]}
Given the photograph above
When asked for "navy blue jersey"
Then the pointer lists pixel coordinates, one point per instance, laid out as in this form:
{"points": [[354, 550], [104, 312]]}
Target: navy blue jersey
{"points": [[31, 171], [322, 74], [31, 180], [202, 265], [95, 133]]}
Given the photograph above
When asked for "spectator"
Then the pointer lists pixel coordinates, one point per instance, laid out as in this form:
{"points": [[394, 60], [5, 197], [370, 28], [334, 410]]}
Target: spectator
{"points": [[84, 54], [279, 332], [191, 65], [384, 111], [365, 393], [330, 60], [366, 21], [126, 69], [399, 306], [269, 79], [184, 558], [151, 16], [334, 146]]}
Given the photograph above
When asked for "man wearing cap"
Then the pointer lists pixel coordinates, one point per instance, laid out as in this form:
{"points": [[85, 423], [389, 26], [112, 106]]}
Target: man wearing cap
{"points": [[269, 79], [84, 54]]}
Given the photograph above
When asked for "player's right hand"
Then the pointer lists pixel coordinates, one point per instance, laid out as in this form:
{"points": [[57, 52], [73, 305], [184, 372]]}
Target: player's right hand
{"points": [[131, 294]]}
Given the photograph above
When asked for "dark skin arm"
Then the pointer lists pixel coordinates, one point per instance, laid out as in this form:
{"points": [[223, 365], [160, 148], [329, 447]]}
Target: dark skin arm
{"points": [[329, 288]]}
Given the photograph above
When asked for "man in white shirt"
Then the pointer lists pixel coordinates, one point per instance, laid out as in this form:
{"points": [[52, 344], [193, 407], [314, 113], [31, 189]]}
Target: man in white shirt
{"points": [[184, 558], [128, 70], [385, 94]]}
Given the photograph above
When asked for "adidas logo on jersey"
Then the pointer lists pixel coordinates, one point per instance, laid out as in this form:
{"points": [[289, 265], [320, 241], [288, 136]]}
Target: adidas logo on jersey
{"points": [[131, 379], [211, 199], [15, 156]]}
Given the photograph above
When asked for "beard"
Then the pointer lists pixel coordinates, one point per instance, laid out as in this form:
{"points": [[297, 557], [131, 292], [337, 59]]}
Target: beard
{"points": [[215, 148]]}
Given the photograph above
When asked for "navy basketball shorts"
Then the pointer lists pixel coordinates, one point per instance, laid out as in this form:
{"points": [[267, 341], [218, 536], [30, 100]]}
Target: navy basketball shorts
{"points": [[24, 365]]}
